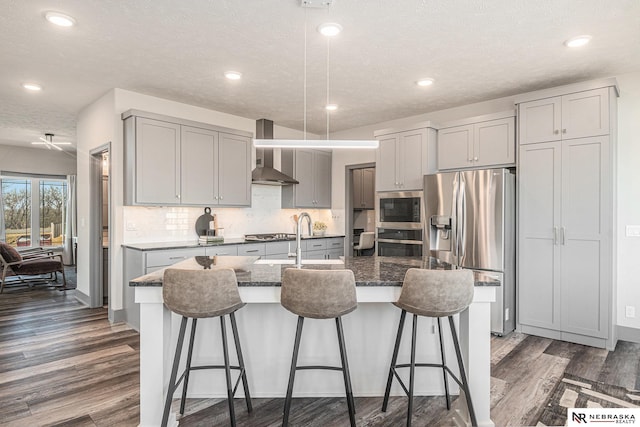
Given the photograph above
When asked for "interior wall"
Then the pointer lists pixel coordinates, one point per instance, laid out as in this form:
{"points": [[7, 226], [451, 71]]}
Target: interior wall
{"points": [[628, 198], [37, 160], [95, 128]]}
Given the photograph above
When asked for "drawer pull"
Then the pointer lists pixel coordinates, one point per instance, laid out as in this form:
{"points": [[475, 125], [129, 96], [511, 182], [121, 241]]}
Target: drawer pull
{"points": [[223, 253], [177, 257], [253, 250]]}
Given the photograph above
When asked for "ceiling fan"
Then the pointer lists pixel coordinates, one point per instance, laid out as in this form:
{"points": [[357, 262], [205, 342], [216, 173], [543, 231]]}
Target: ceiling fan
{"points": [[48, 142]]}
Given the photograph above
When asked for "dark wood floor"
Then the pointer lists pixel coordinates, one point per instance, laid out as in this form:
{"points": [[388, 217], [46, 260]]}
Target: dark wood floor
{"points": [[63, 364]]}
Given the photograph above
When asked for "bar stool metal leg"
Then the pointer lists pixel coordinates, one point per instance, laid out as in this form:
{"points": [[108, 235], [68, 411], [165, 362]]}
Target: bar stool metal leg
{"points": [[292, 372], [243, 373], [394, 359], [227, 371], [444, 364], [463, 375], [194, 322], [345, 372], [412, 369], [174, 372]]}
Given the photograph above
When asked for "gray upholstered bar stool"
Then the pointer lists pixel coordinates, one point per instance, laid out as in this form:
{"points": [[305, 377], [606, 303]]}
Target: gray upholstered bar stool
{"points": [[432, 293], [197, 294], [319, 294]]}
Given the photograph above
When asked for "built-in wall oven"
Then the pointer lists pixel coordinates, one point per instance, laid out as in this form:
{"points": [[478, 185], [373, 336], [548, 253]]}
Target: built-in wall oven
{"points": [[399, 223]]}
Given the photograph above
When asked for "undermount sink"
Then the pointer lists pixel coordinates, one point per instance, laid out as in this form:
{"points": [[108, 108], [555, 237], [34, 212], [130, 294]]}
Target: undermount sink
{"points": [[304, 261]]}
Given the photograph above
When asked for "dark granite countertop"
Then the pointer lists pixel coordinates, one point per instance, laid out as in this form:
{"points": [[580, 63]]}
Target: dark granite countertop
{"points": [[155, 246], [368, 271]]}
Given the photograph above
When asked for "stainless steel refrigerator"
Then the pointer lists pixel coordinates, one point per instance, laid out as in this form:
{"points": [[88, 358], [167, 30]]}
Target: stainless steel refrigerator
{"points": [[470, 222]]}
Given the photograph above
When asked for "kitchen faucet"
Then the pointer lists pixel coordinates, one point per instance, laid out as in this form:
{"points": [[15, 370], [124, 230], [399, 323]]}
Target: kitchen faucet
{"points": [[299, 236]]}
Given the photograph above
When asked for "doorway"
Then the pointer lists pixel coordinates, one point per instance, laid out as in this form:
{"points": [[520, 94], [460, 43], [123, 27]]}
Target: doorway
{"points": [[100, 227], [359, 205]]}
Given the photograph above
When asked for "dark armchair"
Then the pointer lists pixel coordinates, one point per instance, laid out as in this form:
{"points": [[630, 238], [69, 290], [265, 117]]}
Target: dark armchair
{"points": [[28, 267]]}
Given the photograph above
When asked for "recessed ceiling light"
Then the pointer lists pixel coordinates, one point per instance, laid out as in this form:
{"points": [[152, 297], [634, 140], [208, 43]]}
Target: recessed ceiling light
{"points": [[233, 75], [330, 29], [425, 82], [331, 107], [32, 87], [60, 19], [577, 41]]}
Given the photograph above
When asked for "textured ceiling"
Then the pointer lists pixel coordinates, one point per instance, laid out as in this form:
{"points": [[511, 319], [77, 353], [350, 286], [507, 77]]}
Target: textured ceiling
{"points": [[475, 50]]}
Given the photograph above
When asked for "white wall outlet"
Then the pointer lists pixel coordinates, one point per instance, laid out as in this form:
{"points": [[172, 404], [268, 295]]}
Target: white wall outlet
{"points": [[630, 311], [633, 230], [131, 226]]}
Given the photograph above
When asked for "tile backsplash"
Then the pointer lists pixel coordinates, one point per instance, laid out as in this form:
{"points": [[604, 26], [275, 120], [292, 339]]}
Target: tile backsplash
{"points": [[167, 224]]}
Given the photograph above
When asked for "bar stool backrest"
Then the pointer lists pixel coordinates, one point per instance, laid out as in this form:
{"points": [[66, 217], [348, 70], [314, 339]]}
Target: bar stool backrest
{"points": [[201, 293], [318, 294], [436, 293]]}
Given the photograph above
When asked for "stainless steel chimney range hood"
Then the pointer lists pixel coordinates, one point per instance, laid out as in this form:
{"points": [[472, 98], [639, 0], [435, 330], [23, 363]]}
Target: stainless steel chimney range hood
{"points": [[265, 173]]}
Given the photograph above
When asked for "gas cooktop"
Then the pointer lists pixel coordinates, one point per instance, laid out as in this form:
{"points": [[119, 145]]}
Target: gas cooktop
{"points": [[269, 237]]}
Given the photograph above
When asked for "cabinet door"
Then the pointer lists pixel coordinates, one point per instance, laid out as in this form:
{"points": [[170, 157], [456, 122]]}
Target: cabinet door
{"points": [[540, 120], [335, 253], [157, 162], [585, 114], [386, 160], [368, 188], [454, 147], [234, 170], [304, 194], [357, 189], [412, 148], [538, 218], [198, 171], [322, 179], [494, 143], [585, 236]]}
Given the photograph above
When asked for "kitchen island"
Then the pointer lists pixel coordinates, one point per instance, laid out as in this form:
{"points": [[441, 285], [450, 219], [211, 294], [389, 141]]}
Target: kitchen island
{"points": [[267, 331]]}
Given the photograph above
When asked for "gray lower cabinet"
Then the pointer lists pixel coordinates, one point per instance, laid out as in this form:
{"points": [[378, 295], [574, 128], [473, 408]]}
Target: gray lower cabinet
{"points": [[280, 250], [169, 161], [328, 248], [312, 168]]}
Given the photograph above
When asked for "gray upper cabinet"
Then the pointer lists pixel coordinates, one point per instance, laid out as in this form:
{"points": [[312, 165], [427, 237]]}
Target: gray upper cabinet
{"points": [[198, 153], [484, 141], [234, 170], [565, 221], [404, 157], [575, 115], [312, 169], [170, 161], [364, 188], [157, 162]]}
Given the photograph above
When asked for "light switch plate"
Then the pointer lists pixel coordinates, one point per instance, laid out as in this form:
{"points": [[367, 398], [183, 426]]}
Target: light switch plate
{"points": [[633, 230], [630, 312]]}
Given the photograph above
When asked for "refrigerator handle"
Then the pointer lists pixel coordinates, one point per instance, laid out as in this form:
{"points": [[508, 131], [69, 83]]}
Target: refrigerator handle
{"points": [[460, 220]]}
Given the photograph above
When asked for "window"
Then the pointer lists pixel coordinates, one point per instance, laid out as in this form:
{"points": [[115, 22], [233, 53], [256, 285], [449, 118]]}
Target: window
{"points": [[32, 203]]}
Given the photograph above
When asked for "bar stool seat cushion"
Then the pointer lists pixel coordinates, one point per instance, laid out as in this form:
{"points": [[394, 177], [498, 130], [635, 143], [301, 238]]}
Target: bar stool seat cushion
{"points": [[318, 294], [436, 293], [201, 293]]}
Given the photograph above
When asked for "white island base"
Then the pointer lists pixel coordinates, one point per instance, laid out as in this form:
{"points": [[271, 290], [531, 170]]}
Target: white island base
{"points": [[267, 333]]}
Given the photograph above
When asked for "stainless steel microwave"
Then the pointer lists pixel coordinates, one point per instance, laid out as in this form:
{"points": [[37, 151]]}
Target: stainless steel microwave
{"points": [[400, 209]]}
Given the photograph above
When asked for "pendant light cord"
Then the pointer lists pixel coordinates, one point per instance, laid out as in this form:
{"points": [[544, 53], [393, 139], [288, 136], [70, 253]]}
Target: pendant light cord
{"points": [[305, 78], [327, 104]]}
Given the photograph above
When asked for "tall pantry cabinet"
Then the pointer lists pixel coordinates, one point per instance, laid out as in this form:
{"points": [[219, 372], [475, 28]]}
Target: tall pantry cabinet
{"points": [[565, 212]]}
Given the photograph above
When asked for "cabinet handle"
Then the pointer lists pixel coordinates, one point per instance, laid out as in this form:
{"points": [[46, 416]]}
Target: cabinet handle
{"points": [[222, 253], [252, 250], [564, 131], [470, 159], [555, 132], [220, 197], [177, 257], [475, 159], [555, 236], [562, 235], [177, 196], [215, 197]]}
